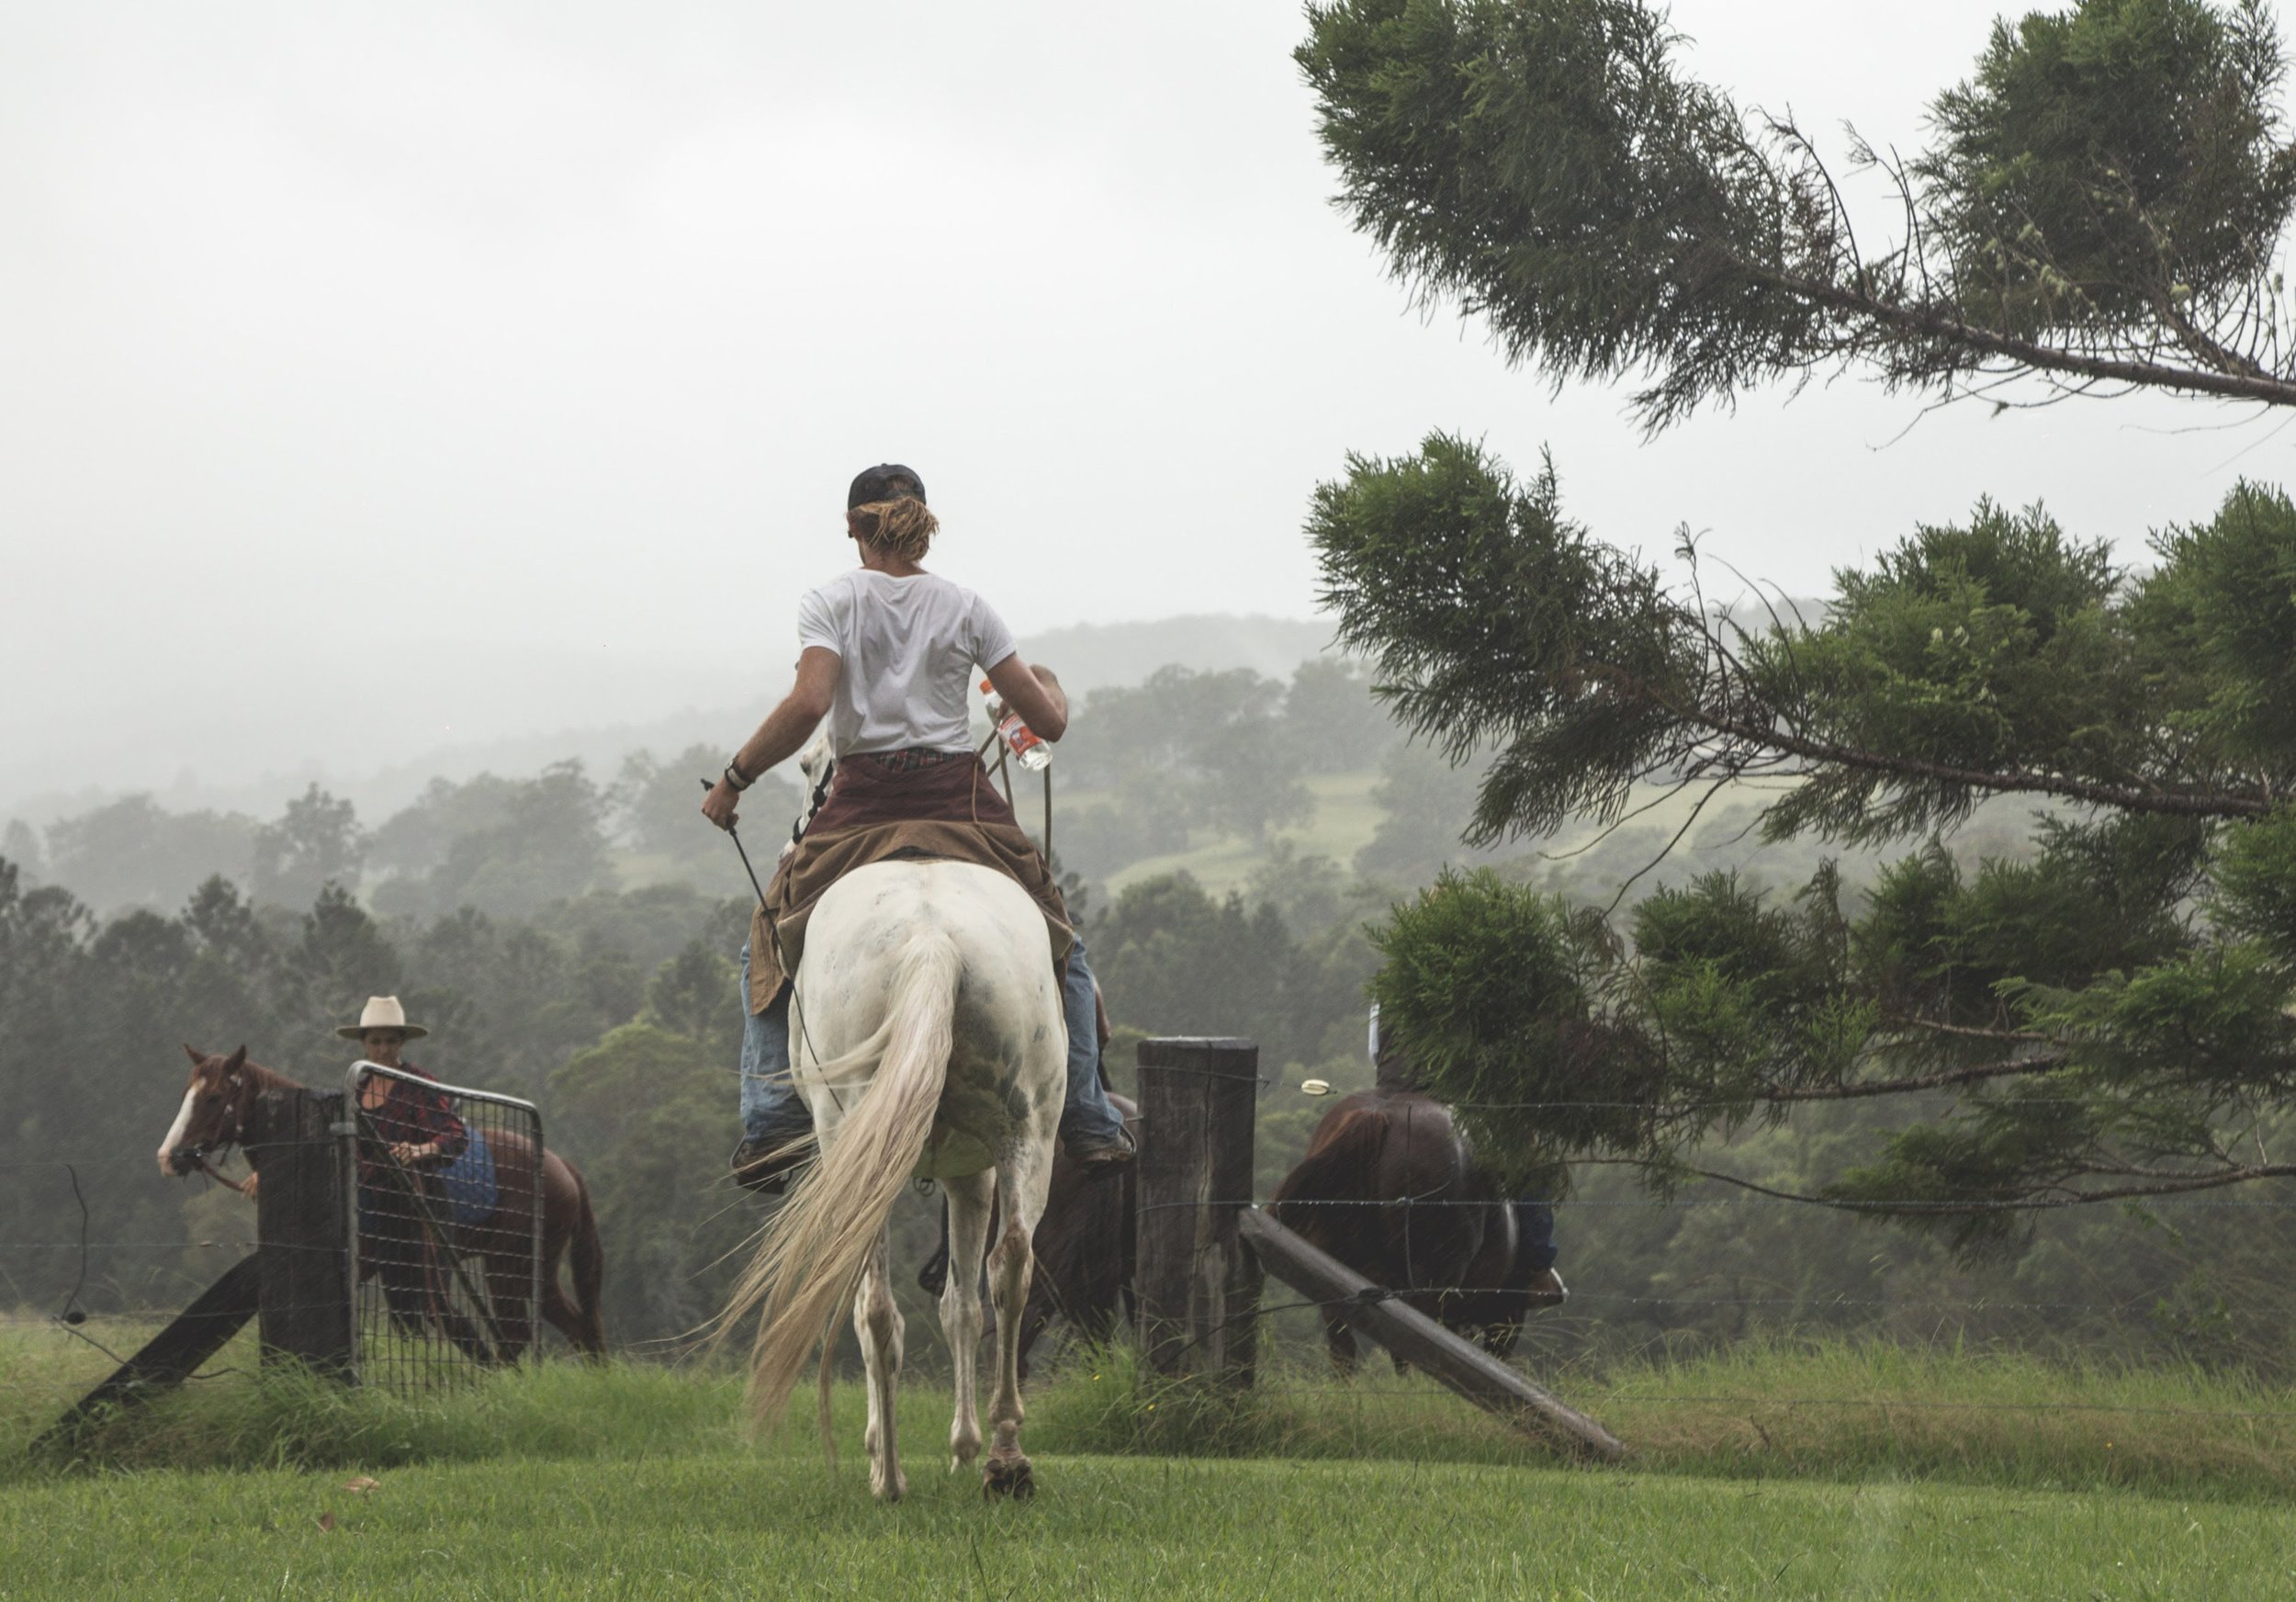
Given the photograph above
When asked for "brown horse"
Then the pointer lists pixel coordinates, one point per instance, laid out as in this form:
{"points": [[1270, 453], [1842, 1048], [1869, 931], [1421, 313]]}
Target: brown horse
{"points": [[1084, 1250], [1390, 1187], [222, 1107]]}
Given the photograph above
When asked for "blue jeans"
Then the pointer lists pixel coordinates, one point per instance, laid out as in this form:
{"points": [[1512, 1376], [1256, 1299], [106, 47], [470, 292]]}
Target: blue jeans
{"points": [[769, 1102]]}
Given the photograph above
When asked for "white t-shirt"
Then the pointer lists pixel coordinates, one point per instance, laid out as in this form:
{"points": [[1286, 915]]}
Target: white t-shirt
{"points": [[909, 647]]}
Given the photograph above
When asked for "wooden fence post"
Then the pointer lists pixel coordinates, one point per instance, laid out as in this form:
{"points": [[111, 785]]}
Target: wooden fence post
{"points": [[303, 1232], [1198, 1283], [167, 1360]]}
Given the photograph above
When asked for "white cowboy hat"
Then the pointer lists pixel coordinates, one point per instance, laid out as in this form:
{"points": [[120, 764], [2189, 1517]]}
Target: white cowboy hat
{"points": [[382, 1012]]}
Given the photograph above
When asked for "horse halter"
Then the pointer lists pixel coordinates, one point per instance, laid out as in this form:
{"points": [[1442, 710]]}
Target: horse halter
{"points": [[194, 1159], [820, 799]]}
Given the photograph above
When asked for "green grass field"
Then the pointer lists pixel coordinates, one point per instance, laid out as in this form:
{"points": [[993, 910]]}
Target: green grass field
{"points": [[1825, 1472]]}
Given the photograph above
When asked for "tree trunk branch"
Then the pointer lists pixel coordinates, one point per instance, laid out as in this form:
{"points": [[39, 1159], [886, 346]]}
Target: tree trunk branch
{"points": [[2169, 1185], [2264, 389], [1937, 1081]]}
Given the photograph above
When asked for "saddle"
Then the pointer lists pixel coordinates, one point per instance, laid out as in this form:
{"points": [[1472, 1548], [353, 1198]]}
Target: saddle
{"points": [[934, 807]]}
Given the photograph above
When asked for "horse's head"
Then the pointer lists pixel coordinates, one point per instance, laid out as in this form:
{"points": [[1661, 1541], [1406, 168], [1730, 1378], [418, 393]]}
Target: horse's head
{"points": [[217, 1101], [817, 761]]}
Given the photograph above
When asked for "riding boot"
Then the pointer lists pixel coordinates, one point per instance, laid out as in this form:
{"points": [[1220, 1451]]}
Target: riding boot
{"points": [[776, 1125]]}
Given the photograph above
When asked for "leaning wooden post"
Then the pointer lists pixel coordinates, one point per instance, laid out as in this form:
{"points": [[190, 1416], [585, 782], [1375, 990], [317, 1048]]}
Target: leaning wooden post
{"points": [[1199, 1283], [303, 1232], [1411, 1337]]}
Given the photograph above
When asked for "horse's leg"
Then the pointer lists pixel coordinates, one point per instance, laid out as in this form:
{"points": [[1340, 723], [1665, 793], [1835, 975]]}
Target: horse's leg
{"points": [[569, 1232], [1033, 1318], [1021, 1182], [933, 1276], [509, 1262], [397, 1263], [965, 1217], [878, 1324], [1341, 1341], [559, 1312], [561, 1208]]}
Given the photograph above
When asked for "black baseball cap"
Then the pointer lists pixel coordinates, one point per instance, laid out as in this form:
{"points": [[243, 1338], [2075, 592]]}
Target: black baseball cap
{"points": [[885, 481]]}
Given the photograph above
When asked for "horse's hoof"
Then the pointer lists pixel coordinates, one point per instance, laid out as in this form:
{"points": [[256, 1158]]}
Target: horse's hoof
{"points": [[892, 1492], [1008, 1477]]}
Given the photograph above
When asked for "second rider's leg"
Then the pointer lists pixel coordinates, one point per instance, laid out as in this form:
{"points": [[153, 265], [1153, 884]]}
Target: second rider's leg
{"points": [[1090, 1128], [772, 1113]]}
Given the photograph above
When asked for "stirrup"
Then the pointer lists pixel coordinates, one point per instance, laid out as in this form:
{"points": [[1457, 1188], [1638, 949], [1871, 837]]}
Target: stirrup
{"points": [[765, 1168]]}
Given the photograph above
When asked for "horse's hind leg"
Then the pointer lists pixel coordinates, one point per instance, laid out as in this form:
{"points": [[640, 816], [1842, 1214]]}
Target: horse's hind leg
{"points": [[966, 1219], [562, 1316], [1020, 1187], [511, 1288], [878, 1324]]}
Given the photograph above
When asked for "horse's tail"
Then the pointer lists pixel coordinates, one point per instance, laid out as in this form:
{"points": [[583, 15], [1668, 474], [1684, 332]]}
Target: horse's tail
{"points": [[811, 1255], [587, 1260], [1339, 1167]]}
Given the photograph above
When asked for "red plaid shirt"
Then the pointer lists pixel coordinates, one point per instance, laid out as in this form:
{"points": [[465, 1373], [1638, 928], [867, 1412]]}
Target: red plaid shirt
{"points": [[410, 1113]]}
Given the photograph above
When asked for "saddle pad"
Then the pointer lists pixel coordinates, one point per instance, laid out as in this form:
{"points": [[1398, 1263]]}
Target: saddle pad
{"points": [[468, 1183]]}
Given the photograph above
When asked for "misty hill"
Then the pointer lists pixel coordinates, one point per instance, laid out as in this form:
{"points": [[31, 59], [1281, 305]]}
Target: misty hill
{"points": [[1093, 656], [523, 716]]}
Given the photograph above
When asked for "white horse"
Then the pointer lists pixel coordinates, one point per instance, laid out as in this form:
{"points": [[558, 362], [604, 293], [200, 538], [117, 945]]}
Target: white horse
{"points": [[926, 1037]]}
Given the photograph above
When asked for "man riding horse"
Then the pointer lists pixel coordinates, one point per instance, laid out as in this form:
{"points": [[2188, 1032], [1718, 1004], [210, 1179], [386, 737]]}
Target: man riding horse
{"points": [[887, 653]]}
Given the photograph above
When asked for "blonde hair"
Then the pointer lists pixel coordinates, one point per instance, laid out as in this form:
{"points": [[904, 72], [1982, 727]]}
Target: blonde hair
{"points": [[904, 525]]}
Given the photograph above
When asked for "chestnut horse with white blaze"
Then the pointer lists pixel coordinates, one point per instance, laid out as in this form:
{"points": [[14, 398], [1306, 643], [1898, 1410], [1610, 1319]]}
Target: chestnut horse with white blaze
{"points": [[928, 1040], [220, 1110]]}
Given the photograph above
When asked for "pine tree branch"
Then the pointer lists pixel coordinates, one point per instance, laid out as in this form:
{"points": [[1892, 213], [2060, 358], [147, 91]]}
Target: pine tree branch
{"points": [[1967, 1031], [1931, 325], [2045, 1063], [2123, 797], [2167, 1185]]}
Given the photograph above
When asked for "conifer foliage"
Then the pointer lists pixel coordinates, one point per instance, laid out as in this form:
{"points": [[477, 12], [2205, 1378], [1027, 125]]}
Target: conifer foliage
{"points": [[2103, 1015], [2103, 205]]}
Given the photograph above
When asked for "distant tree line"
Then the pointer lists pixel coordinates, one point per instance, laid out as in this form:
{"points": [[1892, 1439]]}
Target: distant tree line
{"points": [[1181, 760]]}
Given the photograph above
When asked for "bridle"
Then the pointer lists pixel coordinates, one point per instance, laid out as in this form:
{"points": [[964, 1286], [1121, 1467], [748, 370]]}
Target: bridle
{"points": [[199, 1165], [194, 1159]]}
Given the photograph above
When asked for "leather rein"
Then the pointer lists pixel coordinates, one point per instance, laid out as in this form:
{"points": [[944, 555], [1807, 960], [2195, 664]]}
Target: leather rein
{"points": [[224, 1141]]}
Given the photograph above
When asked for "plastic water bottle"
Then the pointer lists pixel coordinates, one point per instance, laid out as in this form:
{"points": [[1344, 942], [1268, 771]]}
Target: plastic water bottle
{"points": [[1027, 747]]}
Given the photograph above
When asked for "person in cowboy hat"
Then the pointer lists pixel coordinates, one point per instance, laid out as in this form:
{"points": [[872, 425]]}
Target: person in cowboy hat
{"points": [[416, 1125], [414, 1133], [887, 653]]}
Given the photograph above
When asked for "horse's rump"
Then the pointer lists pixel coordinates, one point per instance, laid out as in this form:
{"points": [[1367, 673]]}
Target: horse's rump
{"points": [[468, 1183], [1342, 1156], [1387, 1186], [926, 1037]]}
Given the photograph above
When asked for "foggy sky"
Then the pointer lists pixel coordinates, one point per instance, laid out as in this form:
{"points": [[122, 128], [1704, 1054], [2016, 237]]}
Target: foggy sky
{"points": [[380, 379]]}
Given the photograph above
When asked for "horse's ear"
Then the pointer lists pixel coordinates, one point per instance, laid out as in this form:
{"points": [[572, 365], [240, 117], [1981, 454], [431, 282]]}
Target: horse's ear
{"points": [[195, 1053], [237, 1061]]}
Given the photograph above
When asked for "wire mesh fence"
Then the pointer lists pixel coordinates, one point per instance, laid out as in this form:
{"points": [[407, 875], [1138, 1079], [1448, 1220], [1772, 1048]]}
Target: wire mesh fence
{"points": [[2186, 1283], [446, 1195], [127, 1282]]}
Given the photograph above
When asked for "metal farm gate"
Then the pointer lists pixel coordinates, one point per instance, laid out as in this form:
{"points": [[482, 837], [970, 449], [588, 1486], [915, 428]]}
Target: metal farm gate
{"points": [[366, 1269], [445, 1267]]}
